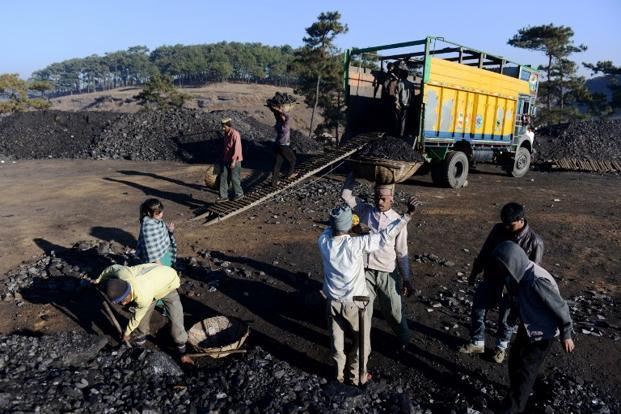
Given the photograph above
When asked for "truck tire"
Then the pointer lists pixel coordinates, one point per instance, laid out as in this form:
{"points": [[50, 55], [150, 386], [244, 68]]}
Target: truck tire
{"points": [[452, 172], [521, 162]]}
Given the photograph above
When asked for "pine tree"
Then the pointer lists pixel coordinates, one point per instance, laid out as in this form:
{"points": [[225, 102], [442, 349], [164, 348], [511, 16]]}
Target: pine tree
{"points": [[319, 68]]}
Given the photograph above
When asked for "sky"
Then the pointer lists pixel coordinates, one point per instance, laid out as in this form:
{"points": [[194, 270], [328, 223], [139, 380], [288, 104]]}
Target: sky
{"points": [[37, 33]]}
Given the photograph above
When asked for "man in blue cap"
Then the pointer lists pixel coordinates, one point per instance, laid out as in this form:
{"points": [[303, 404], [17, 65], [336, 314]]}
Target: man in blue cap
{"points": [[344, 277], [144, 285]]}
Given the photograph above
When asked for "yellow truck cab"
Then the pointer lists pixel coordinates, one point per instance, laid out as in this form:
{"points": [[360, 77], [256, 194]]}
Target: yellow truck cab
{"points": [[465, 105]]}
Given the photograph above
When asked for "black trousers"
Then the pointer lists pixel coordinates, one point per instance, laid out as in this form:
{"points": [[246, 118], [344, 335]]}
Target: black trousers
{"points": [[525, 359], [283, 152], [400, 121]]}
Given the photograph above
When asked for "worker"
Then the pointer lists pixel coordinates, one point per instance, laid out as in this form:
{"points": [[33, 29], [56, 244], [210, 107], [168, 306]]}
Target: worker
{"points": [[232, 158], [402, 99], [389, 96], [344, 277], [382, 279], [144, 285], [542, 313], [488, 293], [282, 145]]}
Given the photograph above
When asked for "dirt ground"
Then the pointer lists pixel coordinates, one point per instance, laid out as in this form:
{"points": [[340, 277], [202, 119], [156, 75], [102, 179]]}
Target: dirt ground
{"points": [[50, 205]]}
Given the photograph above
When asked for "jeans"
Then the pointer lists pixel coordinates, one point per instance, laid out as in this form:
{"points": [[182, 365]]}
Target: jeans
{"points": [[227, 172], [525, 360], [486, 296]]}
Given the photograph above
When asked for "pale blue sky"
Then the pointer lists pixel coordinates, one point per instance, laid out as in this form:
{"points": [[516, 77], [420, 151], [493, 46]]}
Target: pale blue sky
{"points": [[37, 33]]}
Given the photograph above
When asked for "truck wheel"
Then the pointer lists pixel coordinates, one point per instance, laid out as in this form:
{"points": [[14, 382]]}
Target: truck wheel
{"points": [[452, 172], [521, 162]]}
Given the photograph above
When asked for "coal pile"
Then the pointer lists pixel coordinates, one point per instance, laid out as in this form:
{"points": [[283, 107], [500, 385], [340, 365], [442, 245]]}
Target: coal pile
{"points": [[51, 134], [60, 273], [280, 98], [589, 140], [177, 135], [591, 313], [72, 372], [81, 373], [390, 148], [38, 377], [560, 393]]}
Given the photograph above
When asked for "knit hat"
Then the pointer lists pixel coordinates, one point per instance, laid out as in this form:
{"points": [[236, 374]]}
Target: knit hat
{"points": [[116, 289], [341, 218]]}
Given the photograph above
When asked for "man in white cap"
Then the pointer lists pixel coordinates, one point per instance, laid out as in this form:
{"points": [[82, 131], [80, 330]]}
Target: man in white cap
{"points": [[344, 278], [231, 161], [380, 265]]}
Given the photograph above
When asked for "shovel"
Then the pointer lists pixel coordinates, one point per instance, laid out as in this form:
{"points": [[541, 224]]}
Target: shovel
{"points": [[361, 367], [110, 315]]}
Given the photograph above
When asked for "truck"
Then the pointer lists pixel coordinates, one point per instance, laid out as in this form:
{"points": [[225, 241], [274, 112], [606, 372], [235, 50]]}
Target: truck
{"points": [[467, 106]]}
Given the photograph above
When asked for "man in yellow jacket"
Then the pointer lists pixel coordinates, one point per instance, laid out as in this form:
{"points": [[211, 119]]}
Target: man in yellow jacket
{"points": [[144, 285]]}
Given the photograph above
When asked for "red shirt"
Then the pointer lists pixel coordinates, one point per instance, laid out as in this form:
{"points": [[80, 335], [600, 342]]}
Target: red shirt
{"points": [[232, 147]]}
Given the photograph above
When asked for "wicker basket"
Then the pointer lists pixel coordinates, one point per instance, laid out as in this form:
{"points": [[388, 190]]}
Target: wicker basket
{"points": [[211, 176], [218, 335], [384, 171]]}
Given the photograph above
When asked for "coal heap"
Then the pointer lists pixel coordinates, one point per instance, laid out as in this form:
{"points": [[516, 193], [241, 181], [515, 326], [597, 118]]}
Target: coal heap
{"points": [[37, 377], [51, 134], [391, 148], [592, 140], [81, 373], [280, 98], [178, 135]]}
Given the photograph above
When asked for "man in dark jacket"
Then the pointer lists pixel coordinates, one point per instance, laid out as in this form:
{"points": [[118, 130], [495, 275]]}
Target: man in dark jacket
{"points": [[542, 312], [488, 293]]}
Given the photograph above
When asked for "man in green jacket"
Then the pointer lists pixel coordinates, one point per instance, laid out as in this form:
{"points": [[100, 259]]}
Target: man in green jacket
{"points": [[144, 285]]}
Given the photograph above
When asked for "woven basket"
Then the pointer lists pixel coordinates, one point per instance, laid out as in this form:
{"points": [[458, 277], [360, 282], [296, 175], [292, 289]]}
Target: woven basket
{"points": [[211, 176], [218, 335], [384, 171]]}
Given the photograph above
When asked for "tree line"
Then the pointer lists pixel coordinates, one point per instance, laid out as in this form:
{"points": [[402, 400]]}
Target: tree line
{"points": [[185, 65], [315, 70]]}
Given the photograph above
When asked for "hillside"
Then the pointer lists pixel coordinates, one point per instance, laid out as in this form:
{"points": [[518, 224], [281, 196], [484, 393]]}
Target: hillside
{"points": [[243, 97]]}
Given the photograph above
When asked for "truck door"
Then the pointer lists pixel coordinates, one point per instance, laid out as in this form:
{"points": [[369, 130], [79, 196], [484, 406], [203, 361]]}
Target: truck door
{"points": [[523, 115]]}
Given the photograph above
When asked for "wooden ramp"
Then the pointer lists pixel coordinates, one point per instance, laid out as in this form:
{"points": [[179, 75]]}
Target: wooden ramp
{"points": [[573, 164], [218, 212]]}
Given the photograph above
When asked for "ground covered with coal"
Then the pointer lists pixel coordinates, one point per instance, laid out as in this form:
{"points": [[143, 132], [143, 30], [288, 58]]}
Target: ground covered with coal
{"points": [[178, 134], [83, 373], [391, 148], [592, 140], [73, 372]]}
